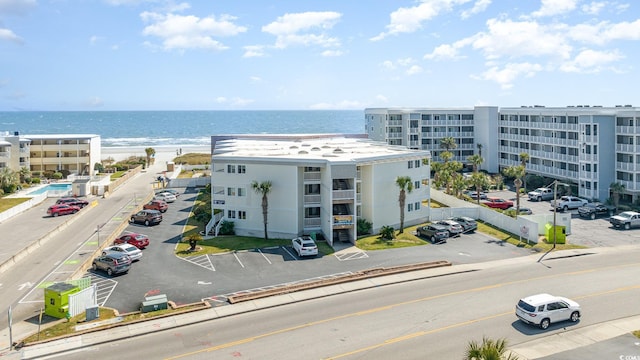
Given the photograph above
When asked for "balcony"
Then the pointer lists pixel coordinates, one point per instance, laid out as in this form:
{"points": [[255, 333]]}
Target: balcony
{"points": [[312, 222], [343, 220], [312, 199], [5, 154], [311, 176], [343, 194], [62, 147]]}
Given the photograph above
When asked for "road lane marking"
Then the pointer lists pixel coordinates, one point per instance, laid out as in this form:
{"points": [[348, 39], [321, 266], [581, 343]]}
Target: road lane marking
{"points": [[409, 302]]}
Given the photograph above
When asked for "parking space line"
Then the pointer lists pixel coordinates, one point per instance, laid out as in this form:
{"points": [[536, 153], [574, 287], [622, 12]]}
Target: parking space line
{"points": [[264, 256], [351, 256], [203, 261], [290, 254], [237, 258]]}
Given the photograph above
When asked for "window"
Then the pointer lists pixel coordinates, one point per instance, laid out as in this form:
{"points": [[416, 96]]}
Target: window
{"points": [[231, 169], [231, 191], [231, 214], [242, 192], [242, 215], [416, 163], [410, 164], [416, 184], [410, 207], [242, 169], [417, 206]]}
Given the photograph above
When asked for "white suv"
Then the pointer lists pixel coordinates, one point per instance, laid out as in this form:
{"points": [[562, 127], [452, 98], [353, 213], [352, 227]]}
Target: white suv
{"points": [[304, 246], [544, 309]]}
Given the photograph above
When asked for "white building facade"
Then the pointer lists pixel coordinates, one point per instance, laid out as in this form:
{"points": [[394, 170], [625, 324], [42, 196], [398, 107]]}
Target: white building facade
{"points": [[321, 184], [589, 146], [75, 153]]}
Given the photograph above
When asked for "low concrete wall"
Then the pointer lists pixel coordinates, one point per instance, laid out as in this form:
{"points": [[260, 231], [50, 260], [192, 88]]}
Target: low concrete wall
{"points": [[9, 213]]}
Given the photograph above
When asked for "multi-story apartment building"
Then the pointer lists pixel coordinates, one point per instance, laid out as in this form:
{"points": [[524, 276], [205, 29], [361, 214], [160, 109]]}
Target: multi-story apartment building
{"points": [[76, 153], [320, 184], [14, 151], [589, 146]]}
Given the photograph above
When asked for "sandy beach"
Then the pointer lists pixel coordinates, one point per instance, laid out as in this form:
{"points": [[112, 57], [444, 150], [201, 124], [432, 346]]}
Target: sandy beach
{"points": [[163, 153]]}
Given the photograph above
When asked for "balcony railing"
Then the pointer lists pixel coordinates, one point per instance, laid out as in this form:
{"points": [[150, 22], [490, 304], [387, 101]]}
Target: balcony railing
{"points": [[343, 194], [342, 220], [312, 199], [311, 176], [312, 222]]}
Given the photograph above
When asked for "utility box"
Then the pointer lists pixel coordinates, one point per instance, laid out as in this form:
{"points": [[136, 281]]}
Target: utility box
{"points": [[56, 299], [92, 313], [171, 166], [560, 233], [154, 303]]}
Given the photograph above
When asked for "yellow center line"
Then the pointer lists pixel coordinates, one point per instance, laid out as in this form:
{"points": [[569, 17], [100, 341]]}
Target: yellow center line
{"points": [[409, 302]]}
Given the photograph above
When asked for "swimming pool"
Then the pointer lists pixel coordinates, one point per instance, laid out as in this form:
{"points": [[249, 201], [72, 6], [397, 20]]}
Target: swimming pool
{"points": [[51, 187]]}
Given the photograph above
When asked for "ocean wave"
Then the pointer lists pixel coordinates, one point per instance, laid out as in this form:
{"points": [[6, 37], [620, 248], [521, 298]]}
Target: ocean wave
{"points": [[150, 141]]}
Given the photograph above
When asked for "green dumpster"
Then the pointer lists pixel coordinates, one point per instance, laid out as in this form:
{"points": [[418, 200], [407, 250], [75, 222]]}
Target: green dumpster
{"points": [[56, 299], [560, 233]]}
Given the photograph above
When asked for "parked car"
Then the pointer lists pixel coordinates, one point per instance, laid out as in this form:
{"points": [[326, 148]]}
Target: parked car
{"points": [[304, 246], [593, 210], [165, 196], [140, 241], [474, 195], [468, 224], [62, 209], [147, 217], [132, 251], [437, 234], [452, 227], [73, 201], [523, 210], [626, 220], [159, 205], [112, 263], [173, 192], [497, 203], [540, 194], [544, 309], [568, 203]]}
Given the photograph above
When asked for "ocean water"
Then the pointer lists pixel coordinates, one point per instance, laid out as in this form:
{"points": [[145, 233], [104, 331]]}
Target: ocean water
{"points": [[159, 128]]}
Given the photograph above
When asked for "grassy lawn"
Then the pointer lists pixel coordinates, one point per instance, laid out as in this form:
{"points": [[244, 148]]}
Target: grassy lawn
{"points": [[636, 334], [193, 159], [8, 203], [117, 174]]}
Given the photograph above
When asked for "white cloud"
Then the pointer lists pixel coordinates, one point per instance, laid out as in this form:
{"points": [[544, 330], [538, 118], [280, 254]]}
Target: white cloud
{"points": [[255, 78], [253, 51], [478, 7], [179, 32], [604, 32], [332, 53], [414, 69], [235, 102], [591, 61], [521, 38], [410, 19], [388, 64], [382, 98], [444, 52], [305, 29], [95, 39], [95, 102], [506, 75], [16, 7], [555, 7], [593, 8], [8, 35], [221, 100]]}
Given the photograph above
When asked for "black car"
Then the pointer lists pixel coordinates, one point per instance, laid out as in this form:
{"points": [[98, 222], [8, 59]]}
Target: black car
{"points": [[435, 233], [596, 209], [147, 217], [112, 263]]}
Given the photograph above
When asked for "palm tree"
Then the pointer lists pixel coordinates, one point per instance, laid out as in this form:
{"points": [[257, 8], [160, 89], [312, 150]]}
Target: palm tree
{"points": [[150, 153], [8, 179], [448, 143], [25, 173], [476, 160], [406, 185], [479, 149], [459, 183], [516, 172], [479, 181], [524, 158], [616, 189], [488, 350], [263, 188]]}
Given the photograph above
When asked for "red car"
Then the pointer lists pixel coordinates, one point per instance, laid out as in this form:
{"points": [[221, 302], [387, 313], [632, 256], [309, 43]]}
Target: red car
{"points": [[138, 240], [497, 203], [61, 209], [159, 205]]}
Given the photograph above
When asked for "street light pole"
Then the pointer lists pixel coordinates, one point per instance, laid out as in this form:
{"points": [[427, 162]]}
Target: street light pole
{"points": [[555, 210]]}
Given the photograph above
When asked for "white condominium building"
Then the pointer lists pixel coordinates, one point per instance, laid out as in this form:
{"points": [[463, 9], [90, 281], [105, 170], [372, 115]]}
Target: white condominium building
{"points": [[321, 184], [589, 146]]}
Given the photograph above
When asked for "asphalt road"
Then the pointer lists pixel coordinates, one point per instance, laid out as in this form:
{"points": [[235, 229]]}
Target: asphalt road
{"points": [[429, 318]]}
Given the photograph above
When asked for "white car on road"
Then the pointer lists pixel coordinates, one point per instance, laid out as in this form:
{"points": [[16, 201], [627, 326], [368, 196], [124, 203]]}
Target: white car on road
{"points": [[544, 309], [304, 246]]}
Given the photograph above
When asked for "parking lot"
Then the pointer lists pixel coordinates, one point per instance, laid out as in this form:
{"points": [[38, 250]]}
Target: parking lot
{"points": [[586, 232], [213, 277]]}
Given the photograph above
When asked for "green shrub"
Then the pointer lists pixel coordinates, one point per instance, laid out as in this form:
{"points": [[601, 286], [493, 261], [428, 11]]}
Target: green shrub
{"points": [[227, 228], [57, 175], [364, 226], [35, 180], [387, 232]]}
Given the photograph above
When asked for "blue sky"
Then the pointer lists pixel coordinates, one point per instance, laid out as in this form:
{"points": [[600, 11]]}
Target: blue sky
{"points": [[318, 54]]}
